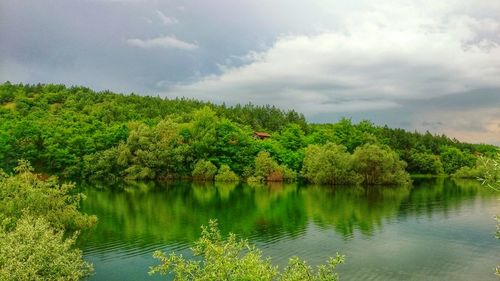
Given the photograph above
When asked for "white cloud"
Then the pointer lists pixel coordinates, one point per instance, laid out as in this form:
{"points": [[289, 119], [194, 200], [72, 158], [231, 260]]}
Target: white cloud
{"points": [[166, 20], [377, 57], [167, 42]]}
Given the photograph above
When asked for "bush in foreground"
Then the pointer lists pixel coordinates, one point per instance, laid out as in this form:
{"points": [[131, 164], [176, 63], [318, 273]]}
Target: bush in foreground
{"points": [[233, 259], [34, 251], [26, 191]]}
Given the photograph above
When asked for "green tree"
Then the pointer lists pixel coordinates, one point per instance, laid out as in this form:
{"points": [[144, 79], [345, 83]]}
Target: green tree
{"points": [[233, 259], [329, 164], [34, 251], [226, 175], [424, 163], [26, 192], [267, 169], [264, 164], [379, 165], [292, 137], [204, 170], [454, 159]]}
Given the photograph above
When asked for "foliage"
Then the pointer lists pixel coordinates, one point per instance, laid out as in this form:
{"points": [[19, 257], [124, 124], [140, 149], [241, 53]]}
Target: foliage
{"points": [[26, 192], [34, 251], [329, 164], [424, 163], [486, 169], [379, 165], [35, 213], [491, 177], [255, 179], [490, 171], [453, 159], [234, 259], [467, 173], [226, 175], [55, 127], [75, 132], [268, 169], [204, 170]]}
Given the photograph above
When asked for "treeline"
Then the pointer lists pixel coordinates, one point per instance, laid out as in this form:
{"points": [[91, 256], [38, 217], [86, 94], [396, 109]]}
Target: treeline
{"points": [[75, 132]]}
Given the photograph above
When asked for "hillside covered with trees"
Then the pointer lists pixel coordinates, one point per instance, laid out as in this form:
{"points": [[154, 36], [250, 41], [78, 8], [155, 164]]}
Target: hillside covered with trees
{"points": [[75, 132]]}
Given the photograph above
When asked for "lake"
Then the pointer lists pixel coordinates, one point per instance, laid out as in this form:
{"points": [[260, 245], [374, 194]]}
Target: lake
{"points": [[436, 229]]}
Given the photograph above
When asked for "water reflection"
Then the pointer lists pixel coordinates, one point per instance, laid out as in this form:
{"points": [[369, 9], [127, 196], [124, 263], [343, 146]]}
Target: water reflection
{"points": [[437, 229], [173, 213]]}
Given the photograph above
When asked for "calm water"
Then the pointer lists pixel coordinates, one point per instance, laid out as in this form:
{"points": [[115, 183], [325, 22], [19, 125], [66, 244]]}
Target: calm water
{"points": [[436, 230]]}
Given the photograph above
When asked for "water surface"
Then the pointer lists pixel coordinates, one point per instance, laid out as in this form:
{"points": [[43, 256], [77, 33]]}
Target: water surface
{"points": [[437, 229]]}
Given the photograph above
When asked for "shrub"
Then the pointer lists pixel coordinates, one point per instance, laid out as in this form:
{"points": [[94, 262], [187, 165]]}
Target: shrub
{"points": [[454, 159], [466, 173], [25, 191], [34, 251], [226, 175], [481, 170], [424, 163], [379, 165], [266, 168], [329, 164], [287, 174], [204, 170], [255, 179], [236, 259], [264, 164]]}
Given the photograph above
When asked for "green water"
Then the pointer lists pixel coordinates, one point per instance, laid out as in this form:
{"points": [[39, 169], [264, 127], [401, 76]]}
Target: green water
{"points": [[435, 230]]}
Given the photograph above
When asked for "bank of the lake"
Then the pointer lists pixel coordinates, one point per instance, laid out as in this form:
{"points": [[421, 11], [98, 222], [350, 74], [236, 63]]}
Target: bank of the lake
{"points": [[438, 229]]}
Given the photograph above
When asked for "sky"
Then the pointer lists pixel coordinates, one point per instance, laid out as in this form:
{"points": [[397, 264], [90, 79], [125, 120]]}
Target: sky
{"points": [[418, 65]]}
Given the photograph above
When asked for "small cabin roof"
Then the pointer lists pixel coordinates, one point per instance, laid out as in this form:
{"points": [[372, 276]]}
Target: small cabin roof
{"points": [[262, 134]]}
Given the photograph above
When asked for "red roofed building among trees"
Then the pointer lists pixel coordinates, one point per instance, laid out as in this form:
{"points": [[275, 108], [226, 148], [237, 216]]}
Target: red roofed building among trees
{"points": [[261, 135]]}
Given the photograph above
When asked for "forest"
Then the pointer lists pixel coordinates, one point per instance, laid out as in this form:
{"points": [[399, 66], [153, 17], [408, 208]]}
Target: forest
{"points": [[76, 133]]}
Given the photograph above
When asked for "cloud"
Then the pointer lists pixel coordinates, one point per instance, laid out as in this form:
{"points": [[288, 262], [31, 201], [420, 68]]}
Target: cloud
{"points": [[376, 59], [166, 20], [472, 125], [167, 42]]}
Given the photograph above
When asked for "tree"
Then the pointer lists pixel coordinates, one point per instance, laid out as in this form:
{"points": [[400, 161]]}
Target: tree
{"points": [[264, 164], [26, 192], [267, 169], [204, 170], [34, 251], [226, 175], [235, 259], [454, 159], [329, 164], [379, 165], [292, 137], [424, 163], [37, 214]]}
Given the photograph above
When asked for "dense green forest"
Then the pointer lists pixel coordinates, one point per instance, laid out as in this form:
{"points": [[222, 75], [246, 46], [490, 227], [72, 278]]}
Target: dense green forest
{"points": [[75, 132]]}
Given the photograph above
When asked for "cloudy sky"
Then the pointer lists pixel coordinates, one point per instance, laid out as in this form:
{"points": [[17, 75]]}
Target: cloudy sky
{"points": [[416, 64]]}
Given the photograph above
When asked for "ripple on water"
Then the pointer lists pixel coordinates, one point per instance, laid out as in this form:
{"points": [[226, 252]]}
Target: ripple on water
{"points": [[428, 234]]}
